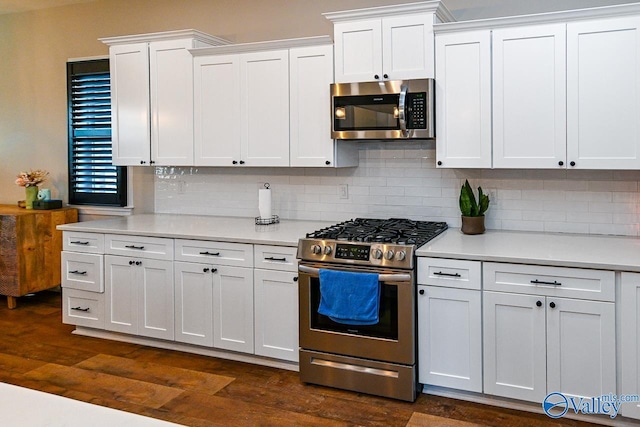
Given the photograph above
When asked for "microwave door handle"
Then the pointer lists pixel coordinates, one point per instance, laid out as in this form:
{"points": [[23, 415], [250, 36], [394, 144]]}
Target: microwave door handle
{"points": [[402, 113], [382, 277]]}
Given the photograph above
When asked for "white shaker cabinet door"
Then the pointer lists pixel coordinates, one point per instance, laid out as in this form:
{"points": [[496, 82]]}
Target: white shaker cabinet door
{"points": [[233, 308], [450, 338], [514, 346], [529, 97], [171, 82], [407, 47], [276, 314], [603, 93], [155, 298], [463, 100], [194, 303], [581, 347], [264, 95], [217, 119], [358, 51], [311, 73], [130, 116], [121, 295], [630, 342]]}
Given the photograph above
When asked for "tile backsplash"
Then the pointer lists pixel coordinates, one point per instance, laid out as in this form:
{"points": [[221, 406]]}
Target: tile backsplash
{"points": [[401, 180]]}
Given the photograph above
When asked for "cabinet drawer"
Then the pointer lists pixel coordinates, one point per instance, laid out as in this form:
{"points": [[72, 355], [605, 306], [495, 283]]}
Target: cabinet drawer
{"points": [[580, 283], [139, 246], [83, 308], [83, 242], [83, 271], [451, 273], [281, 258], [219, 253]]}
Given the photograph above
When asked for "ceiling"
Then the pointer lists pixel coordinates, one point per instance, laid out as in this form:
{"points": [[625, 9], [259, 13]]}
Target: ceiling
{"points": [[14, 6]]}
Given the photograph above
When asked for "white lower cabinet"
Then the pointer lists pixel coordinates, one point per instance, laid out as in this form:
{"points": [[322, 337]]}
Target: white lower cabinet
{"points": [[233, 308], [450, 338], [194, 303], [139, 296], [538, 341], [276, 314], [450, 323], [630, 342]]}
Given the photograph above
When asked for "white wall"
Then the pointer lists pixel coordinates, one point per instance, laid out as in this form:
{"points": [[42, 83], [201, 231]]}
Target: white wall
{"points": [[401, 180]]}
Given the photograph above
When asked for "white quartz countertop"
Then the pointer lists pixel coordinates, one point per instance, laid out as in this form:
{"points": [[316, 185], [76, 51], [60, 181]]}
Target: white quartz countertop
{"points": [[222, 229], [569, 250]]}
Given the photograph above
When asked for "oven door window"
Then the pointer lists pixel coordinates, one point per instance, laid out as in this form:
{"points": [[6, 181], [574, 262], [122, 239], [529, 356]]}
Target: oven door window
{"points": [[352, 113], [386, 328]]}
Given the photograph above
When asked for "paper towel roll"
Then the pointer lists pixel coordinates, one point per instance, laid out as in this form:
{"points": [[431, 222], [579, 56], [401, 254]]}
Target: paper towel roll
{"points": [[264, 203]]}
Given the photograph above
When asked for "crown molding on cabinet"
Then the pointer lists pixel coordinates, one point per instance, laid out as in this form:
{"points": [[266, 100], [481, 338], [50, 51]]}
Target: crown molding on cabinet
{"points": [[164, 36], [540, 18], [437, 7], [258, 46]]}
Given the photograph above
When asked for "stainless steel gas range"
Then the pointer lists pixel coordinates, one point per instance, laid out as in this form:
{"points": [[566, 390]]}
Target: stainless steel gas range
{"points": [[378, 356]]}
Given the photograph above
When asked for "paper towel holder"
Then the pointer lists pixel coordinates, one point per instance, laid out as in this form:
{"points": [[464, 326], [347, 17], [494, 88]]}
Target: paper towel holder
{"points": [[273, 219]]}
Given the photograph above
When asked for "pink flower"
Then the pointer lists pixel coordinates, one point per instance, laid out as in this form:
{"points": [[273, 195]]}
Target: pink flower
{"points": [[31, 178]]}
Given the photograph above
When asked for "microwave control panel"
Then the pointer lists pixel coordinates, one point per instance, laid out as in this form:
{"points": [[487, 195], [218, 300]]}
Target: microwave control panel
{"points": [[416, 110]]}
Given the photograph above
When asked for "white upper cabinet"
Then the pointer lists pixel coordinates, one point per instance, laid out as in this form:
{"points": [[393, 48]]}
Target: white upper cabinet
{"points": [[529, 97], [603, 93], [564, 94], [152, 97], [463, 99], [386, 43], [264, 108], [266, 104], [310, 74], [217, 110]]}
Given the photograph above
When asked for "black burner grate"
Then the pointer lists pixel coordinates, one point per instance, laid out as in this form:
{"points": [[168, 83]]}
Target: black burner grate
{"points": [[398, 231]]}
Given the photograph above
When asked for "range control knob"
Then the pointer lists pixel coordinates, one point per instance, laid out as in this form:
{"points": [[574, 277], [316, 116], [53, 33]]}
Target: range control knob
{"points": [[401, 255], [377, 253], [327, 250], [389, 254], [316, 249]]}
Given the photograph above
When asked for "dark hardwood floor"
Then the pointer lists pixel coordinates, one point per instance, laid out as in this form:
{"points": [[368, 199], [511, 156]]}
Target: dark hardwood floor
{"points": [[37, 351]]}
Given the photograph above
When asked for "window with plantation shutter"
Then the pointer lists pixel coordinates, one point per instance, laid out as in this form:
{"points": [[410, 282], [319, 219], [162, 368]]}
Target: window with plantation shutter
{"points": [[93, 180]]}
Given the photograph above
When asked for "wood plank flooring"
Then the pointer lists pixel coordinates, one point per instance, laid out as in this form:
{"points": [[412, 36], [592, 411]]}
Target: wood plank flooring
{"points": [[37, 351]]}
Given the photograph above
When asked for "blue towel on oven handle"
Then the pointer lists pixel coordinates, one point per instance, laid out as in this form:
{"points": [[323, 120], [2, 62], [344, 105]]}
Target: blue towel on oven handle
{"points": [[350, 298]]}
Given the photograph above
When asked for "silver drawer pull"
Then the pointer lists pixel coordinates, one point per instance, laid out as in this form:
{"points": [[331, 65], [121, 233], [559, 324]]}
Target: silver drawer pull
{"points": [[140, 248], [540, 282], [82, 273], [77, 242], [270, 258], [210, 253], [80, 309], [440, 273]]}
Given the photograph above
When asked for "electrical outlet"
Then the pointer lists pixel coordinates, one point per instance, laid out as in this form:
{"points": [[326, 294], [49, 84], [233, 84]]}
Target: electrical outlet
{"points": [[493, 196], [343, 191]]}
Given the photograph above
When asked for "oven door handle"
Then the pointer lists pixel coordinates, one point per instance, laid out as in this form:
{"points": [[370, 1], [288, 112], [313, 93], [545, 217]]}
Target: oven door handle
{"points": [[381, 277]]}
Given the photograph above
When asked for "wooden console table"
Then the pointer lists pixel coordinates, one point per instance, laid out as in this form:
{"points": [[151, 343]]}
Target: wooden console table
{"points": [[30, 249]]}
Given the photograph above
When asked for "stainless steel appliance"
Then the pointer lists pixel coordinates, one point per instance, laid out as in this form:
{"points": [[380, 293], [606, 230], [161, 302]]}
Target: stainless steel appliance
{"points": [[391, 109], [377, 359]]}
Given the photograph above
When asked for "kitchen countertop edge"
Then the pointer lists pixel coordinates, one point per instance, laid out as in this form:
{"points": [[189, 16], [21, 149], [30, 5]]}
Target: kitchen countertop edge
{"points": [[619, 253], [200, 227]]}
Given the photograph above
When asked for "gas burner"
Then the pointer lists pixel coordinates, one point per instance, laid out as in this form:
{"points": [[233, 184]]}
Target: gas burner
{"points": [[400, 231]]}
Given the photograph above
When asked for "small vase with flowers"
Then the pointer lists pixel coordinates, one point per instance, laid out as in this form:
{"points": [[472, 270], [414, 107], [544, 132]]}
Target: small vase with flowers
{"points": [[30, 181]]}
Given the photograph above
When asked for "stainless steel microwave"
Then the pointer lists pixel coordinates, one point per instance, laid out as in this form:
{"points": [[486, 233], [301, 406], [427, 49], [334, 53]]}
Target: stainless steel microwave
{"points": [[392, 109]]}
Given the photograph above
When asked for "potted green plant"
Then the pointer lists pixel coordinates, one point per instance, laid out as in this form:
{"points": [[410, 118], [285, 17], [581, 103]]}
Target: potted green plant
{"points": [[472, 211]]}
